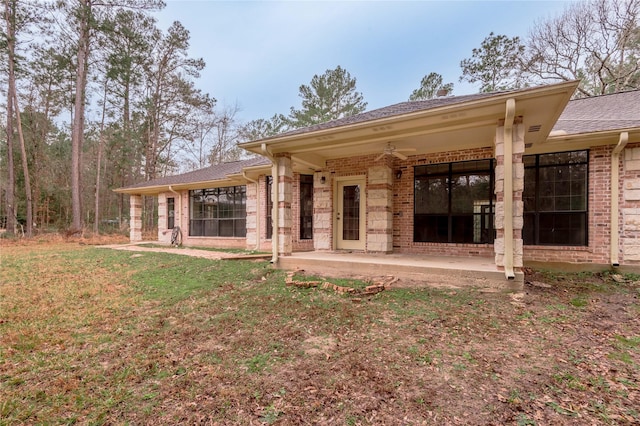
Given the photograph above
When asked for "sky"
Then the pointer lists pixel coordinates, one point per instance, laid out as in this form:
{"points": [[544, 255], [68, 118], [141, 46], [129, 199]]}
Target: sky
{"points": [[258, 53]]}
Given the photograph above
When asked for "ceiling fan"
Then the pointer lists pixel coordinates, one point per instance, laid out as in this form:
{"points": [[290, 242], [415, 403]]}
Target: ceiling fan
{"points": [[392, 150]]}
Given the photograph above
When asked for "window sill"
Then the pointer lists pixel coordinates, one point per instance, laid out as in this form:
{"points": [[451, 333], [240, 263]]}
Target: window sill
{"points": [[557, 248], [468, 245]]}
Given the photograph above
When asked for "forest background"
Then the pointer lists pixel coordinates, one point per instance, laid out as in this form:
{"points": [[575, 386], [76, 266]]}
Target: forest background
{"points": [[97, 97]]}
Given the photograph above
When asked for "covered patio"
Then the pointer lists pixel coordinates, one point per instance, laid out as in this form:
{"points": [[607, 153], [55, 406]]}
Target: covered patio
{"points": [[410, 269]]}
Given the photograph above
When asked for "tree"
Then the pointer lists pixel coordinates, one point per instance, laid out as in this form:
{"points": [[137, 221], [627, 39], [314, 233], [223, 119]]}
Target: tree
{"points": [[215, 138], [329, 96], [496, 64], [261, 128], [224, 135], [171, 99], [12, 21], [9, 15], [85, 18], [597, 42], [430, 86], [125, 48]]}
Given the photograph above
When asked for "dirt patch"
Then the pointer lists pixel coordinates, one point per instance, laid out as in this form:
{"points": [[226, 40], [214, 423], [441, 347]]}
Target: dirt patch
{"points": [[49, 238], [204, 254], [319, 345]]}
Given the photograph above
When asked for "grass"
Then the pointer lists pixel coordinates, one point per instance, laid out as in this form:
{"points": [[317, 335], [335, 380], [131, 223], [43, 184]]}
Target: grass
{"points": [[96, 336]]}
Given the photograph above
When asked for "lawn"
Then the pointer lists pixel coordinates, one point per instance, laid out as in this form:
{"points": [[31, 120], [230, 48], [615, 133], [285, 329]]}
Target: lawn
{"points": [[98, 336]]}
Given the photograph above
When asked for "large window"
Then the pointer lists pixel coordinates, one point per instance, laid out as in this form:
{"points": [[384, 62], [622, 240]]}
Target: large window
{"points": [[306, 207], [454, 202], [171, 212], [269, 212], [555, 198], [218, 212]]}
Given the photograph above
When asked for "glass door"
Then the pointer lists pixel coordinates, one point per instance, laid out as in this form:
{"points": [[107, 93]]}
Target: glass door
{"points": [[350, 215]]}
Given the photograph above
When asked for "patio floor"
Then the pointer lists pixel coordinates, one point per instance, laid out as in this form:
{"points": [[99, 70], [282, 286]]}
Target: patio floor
{"points": [[410, 269]]}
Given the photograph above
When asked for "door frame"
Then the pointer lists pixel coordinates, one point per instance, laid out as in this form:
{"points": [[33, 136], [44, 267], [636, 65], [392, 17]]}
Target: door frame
{"points": [[339, 183]]}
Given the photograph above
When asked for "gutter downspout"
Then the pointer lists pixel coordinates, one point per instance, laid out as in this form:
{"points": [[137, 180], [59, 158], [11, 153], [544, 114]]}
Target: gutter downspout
{"points": [[615, 194], [508, 188], [276, 202], [179, 206], [244, 175]]}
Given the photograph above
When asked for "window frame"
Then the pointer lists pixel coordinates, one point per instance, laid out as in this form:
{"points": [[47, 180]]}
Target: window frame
{"points": [[171, 212], [306, 217], [532, 217], [268, 214], [482, 222], [224, 209]]}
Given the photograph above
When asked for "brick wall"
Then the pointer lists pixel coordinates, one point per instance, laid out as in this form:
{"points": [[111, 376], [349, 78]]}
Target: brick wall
{"points": [[403, 206], [261, 217], [401, 200], [322, 211], [599, 218]]}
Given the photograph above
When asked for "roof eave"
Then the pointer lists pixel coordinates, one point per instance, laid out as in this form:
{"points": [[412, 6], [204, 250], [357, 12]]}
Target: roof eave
{"points": [[586, 140], [331, 133], [228, 180]]}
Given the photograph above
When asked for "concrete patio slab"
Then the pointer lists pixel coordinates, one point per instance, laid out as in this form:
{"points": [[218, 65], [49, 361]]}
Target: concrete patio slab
{"points": [[412, 270]]}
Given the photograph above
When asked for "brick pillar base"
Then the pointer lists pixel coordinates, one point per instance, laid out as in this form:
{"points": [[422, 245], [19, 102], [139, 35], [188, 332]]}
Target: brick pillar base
{"points": [[135, 221]]}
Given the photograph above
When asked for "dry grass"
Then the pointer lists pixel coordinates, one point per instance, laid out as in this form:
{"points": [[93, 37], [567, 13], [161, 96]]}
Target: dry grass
{"points": [[96, 336]]}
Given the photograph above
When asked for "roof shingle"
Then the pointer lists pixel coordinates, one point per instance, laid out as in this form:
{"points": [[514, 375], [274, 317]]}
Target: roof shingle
{"points": [[211, 173], [388, 111], [601, 113]]}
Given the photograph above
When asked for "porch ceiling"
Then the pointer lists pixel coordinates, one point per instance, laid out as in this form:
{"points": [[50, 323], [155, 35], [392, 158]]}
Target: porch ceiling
{"points": [[464, 125]]}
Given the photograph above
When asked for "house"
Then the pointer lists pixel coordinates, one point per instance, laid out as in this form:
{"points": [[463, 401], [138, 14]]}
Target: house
{"points": [[520, 177]]}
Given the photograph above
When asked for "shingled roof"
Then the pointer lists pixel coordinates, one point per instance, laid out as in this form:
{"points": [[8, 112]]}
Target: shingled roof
{"points": [[587, 115], [616, 111], [388, 111], [211, 173]]}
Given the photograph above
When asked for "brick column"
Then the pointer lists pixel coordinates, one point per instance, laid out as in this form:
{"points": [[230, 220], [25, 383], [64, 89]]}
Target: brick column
{"points": [[630, 206], [285, 179], [518, 188], [164, 234], [135, 218], [380, 209], [322, 211], [252, 215]]}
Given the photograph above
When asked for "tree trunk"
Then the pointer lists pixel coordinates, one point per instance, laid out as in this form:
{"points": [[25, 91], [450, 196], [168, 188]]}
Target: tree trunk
{"points": [[25, 168], [77, 131], [11, 179], [96, 216]]}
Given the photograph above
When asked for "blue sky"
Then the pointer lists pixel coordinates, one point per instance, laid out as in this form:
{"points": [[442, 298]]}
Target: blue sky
{"points": [[258, 53]]}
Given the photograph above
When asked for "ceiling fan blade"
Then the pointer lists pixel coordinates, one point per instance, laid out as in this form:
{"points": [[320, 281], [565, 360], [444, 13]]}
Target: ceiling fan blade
{"points": [[406, 149], [400, 156], [380, 156]]}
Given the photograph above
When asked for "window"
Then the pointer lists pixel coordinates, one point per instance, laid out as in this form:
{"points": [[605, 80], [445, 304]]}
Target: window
{"points": [[453, 202], [218, 212], [555, 198], [171, 212], [306, 207], [269, 212]]}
